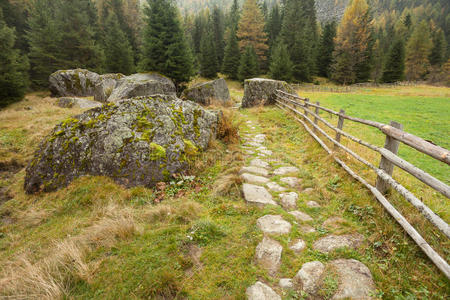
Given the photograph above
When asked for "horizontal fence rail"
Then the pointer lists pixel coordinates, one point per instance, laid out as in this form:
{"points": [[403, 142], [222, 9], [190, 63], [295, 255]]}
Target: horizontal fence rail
{"points": [[389, 159]]}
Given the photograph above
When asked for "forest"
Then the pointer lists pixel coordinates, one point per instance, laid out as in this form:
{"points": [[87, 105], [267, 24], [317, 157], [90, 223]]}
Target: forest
{"points": [[374, 40]]}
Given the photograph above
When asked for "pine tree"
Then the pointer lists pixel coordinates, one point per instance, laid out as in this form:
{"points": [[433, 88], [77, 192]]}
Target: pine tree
{"points": [[219, 31], [299, 33], [165, 49], [353, 50], [249, 66], [326, 48], [231, 60], [251, 29], [208, 61], [13, 67], [437, 56], [281, 65], [418, 50], [118, 51], [394, 69]]}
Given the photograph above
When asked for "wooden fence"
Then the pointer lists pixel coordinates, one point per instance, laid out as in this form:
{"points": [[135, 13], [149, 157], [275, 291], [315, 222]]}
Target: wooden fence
{"points": [[309, 113], [354, 87]]}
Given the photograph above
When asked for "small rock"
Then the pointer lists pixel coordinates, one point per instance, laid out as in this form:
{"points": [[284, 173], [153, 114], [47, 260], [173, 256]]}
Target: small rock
{"points": [[265, 152], [308, 190], [333, 222], [301, 216], [249, 152], [286, 170], [268, 255], [291, 181], [260, 291], [298, 246], [313, 204], [255, 170], [273, 224], [355, 280], [307, 229], [253, 144], [259, 163], [259, 138], [333, 242], [275, 187], [289, 200], [254, 179], [257, 195], [286, 284], [309, 276]]}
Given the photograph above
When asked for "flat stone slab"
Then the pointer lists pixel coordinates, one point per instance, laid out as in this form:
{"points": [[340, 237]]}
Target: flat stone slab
{"points": [[255, 170], [268, 255], [307, 229], [259, 138], [286, 170], [292, 182], [334, 222], [265, 152], [308, 190], [289, 200], [312, 204], [301, 216], [286, 284], [275, 187], [253, 144], [308, 277], [332, 242], [259, 163], [249, 152], [257, 195], [254, 179], [261, 291], [355, 280], [273, 224], [298, 246]]}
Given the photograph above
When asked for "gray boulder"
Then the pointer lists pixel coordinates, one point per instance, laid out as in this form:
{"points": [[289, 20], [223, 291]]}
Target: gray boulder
{"points": [[259, 91], [69, 102], [106, 85], [137, 142], [208, 92], [142, 84], [73, 83]]}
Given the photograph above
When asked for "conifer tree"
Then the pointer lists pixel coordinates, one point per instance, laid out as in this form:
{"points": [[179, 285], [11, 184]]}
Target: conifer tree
{"points": [[234, 16], [394, 69], [117, 48], [164, 47], [13, 67], [251, 30], [231, 60], [281, 65], [274, 25], [437, 56], [418, 50], [219, 31], [326, 48], [208, 58], [353, 50], [249, 66]]}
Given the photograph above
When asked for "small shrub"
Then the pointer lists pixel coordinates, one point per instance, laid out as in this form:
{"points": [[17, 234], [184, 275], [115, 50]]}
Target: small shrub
{"points": [[204, 232], [227, 131]]}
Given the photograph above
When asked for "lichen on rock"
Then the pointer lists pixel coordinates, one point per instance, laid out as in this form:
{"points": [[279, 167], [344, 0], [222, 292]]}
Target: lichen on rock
{"points": [[137, 142], [260, 91]]}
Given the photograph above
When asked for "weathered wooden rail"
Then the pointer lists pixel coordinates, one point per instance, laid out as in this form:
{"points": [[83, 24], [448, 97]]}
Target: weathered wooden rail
{"points": [[389, 159]]}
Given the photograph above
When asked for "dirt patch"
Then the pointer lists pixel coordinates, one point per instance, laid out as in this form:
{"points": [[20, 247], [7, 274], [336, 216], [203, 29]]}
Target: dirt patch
{"points": [[7, 171], [194, 253]]}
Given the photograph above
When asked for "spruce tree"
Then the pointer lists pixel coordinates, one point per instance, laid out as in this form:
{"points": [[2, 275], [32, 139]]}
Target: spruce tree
{"points": [[231, 60], [234, 16], [249, 66], [117, 48], [418, 50], [164, 47], [281, 65], [219, 31], [208, 58], [326, 48], [13, 67], [437, 56], [394, 69], [274, 25]]}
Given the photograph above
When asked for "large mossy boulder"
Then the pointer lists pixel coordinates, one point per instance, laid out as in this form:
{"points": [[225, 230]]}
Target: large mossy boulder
{"points": [[259, 91], [209, 92], [106, 85], [142, 84], [136, 142], [73, 83], [69, 102]]}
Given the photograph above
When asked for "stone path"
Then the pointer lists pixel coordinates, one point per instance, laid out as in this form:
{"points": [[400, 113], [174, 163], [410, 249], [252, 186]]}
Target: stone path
{"points": [[265, 185]]}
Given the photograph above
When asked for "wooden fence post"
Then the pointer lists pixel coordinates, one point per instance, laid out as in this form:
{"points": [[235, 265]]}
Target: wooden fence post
{"points": [[306, 106], [317, 113], [340, 126], [392, 145]]}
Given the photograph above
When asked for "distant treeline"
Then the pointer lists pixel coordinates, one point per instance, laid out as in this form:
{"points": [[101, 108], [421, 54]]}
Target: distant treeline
{"points": [[241, 39]]}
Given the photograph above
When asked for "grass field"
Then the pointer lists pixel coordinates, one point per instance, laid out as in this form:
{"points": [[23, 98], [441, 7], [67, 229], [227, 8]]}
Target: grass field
{"points": [[97, 240]]}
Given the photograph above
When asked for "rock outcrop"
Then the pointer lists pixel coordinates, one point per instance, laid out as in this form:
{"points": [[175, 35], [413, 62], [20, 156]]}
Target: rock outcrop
{"points": [[69, 102], [142, 84], [106, 85], [136, 142], [73, 83], [209, 92], [259, 91]]}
